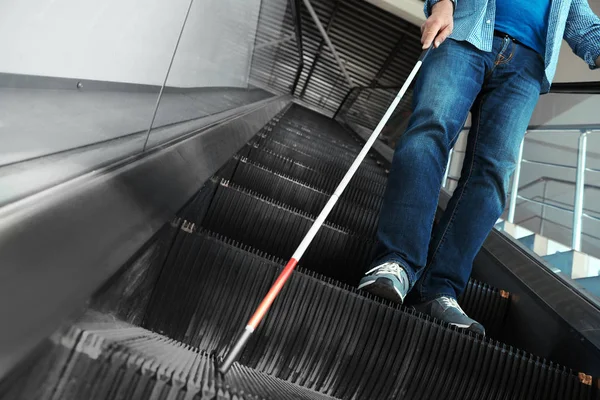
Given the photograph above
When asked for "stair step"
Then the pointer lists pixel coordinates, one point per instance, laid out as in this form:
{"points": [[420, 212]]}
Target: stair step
{"points": [[278, 229], [327, 337], [303, 197], [111, 360], [312, 148], [338, 160], [360, 197], [485, 304], [316, 154], [313, 138], [314, 174], [364, 178], [334, 130]]}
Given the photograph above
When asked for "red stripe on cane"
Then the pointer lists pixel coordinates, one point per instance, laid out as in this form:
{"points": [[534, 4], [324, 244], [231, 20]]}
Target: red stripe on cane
{"points": [[273, 292]]}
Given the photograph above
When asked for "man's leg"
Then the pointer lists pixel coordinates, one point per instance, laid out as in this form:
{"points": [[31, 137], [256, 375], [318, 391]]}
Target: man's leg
{"points": [[500, 118], [449, 81]]}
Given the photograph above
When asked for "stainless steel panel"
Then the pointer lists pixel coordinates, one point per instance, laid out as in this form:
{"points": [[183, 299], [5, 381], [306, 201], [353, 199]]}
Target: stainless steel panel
{"points": [[58, 246]]}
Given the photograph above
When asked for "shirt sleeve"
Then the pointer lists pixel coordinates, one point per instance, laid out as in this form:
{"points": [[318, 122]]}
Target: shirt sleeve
{"points": [[582, 32], [431, 3]]}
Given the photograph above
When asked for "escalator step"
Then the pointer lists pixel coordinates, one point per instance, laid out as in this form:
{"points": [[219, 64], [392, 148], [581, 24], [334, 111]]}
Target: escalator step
{"points": [[329, 338], [310, 148], [485, 304], [307, 173], [332, 130], [277, 146], [363, 180], [320, 159], [320, 125], [312, 139], [313, 122], [287, 168], [278, 229], [110, 361], [481, 301], [303, 197]]}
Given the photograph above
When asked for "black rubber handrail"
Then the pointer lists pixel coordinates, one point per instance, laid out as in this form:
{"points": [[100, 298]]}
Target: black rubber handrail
{"points": [[295, 8]]}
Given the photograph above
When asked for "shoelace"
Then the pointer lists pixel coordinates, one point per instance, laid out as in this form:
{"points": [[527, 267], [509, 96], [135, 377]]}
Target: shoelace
{"points": [[387, 268], [450, 302]]}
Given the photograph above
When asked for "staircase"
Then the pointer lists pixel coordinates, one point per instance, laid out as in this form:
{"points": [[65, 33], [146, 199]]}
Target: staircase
{"points": [[581, 269], [159, 329]]}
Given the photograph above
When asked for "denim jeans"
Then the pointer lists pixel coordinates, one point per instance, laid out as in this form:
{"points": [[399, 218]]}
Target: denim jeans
{"points": [[501, 89]]}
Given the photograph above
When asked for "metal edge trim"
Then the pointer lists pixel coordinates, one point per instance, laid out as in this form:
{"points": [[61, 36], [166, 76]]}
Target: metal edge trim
{"points": [[59, 246]]}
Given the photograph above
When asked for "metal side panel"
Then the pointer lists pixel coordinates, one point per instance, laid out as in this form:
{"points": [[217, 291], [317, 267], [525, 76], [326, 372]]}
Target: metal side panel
{"points": [[58, 246]]}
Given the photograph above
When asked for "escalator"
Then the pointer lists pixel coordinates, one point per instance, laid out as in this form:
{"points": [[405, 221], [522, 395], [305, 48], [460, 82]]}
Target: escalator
{"points": [[159, 329]]}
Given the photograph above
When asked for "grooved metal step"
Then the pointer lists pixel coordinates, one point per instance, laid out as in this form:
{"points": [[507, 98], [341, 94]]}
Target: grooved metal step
{"points": [[298, 195], [313, 174], [304, 142], [111, 360], [293, 135], [314, 123], [309, 178], [322, 158], [314, 154], [278, 229], [327, 337]]}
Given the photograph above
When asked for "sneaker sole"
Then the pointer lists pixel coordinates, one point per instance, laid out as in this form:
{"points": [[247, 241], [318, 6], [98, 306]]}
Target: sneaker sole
{"points": [[384, 288], [472, 328]]}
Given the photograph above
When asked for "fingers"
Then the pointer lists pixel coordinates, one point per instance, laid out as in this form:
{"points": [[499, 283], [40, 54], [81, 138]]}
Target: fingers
{"points": [[439, 24], [429, 31], [444, 33]]}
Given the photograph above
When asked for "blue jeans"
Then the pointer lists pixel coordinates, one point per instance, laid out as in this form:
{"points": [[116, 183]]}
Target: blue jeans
{"points": [[501, 88]]}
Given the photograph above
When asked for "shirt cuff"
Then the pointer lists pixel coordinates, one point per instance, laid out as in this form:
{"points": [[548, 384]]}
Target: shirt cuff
{"points": [[591, 56]]}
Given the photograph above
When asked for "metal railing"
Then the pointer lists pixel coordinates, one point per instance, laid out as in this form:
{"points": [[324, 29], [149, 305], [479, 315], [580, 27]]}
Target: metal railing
{"points": [[579, 196]]}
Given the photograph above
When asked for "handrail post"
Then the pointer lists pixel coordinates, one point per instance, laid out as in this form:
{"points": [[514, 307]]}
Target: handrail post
{"points": [[579, 191], [515, 185], [543, 213], [445, 179]]}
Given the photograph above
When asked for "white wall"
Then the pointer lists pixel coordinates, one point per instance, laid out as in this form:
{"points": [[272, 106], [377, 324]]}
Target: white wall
{"points": [[129, 40], [216, 46], [409, 10]]}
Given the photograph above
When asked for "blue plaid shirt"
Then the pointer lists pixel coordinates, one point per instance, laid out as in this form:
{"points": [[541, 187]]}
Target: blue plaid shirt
{"points": [[572, 20]]}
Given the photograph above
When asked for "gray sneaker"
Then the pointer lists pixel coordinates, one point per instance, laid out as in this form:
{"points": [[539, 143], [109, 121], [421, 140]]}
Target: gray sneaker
{"points": [[447, 309], [388, 280]]}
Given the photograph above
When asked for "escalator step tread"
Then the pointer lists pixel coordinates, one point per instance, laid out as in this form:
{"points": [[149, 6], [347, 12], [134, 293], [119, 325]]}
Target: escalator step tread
{"points": [[328, 337], [278, 229], [318, 176], [360, 197], [313, 153], [112, 360], [286, 130], [312, 143], [481, 301], [303, 197]]}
